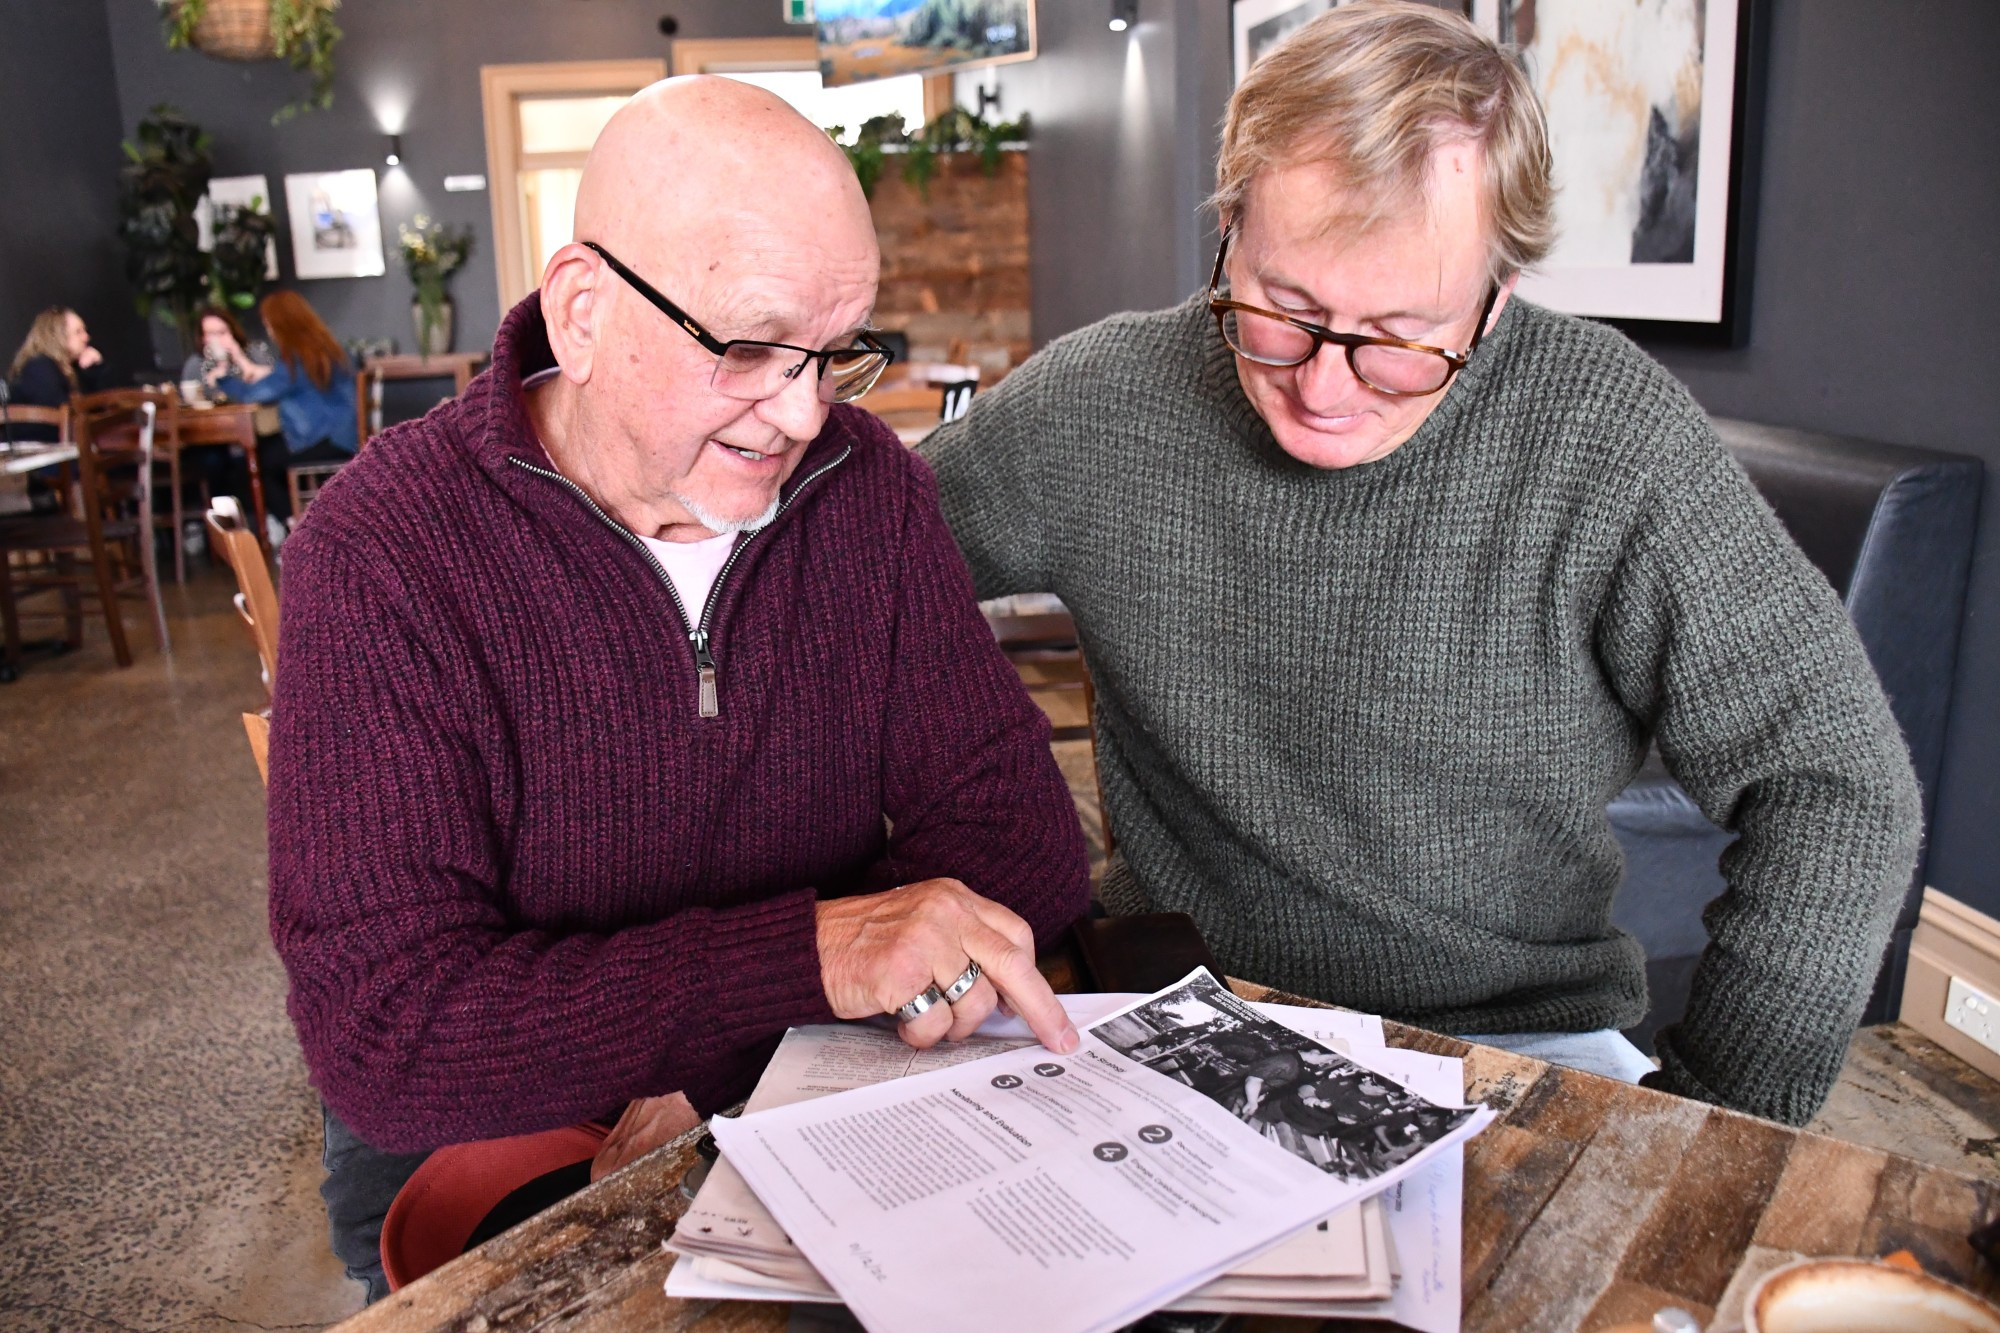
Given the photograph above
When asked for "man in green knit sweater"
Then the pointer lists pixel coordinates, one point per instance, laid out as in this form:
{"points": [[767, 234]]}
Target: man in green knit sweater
{"points": [[1387, 580]]}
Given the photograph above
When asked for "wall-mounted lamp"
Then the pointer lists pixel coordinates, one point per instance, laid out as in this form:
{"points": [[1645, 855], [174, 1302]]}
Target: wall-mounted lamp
{"points": [[1124, 13], [395, 156]]}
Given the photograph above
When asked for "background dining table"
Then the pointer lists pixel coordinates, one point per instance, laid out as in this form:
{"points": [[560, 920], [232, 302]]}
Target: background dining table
{"points": [[1589, 1203]]}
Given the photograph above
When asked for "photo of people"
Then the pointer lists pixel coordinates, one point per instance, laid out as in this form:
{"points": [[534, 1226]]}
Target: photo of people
{"points": [[1310, 1100]]}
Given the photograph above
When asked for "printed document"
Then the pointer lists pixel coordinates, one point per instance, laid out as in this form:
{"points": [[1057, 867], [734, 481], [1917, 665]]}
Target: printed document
{"points": [[1187, 1134]]}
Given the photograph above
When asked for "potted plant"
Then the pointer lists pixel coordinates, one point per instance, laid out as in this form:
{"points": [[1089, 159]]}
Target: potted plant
{"points": [[165, 174], [301, 32], [956, 131], [238, 260], [432, 252]]}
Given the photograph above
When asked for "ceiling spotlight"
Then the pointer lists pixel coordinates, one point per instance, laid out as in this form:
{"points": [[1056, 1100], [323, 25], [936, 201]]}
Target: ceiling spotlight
{"points": [[395, 156], [1124, 13]]}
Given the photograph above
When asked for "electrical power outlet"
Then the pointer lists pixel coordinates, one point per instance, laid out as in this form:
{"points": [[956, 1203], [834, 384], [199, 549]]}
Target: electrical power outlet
{"points": [[1973, 1012]]}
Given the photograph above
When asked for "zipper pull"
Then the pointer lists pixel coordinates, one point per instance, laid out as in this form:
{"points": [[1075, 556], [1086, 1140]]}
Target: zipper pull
{"points": [[705, 664]]}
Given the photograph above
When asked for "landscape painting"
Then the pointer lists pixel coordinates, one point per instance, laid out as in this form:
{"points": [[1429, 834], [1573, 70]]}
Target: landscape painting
{"points": [[878, 39]]}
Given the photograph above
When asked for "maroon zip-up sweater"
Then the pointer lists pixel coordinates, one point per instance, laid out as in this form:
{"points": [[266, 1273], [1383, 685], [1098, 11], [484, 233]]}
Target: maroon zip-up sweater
{"points": [[517, 877]]}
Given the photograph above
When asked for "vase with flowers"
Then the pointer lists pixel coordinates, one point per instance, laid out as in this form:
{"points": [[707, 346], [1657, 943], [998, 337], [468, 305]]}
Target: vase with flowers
{"points": [[432, 252]]}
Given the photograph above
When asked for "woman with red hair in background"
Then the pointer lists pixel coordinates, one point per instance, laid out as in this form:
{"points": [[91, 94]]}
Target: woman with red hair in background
{"points": [[312, 384]]}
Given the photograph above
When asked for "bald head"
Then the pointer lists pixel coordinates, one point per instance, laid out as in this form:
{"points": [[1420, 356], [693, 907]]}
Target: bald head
{"points": [[694, 167], [733, 209]]}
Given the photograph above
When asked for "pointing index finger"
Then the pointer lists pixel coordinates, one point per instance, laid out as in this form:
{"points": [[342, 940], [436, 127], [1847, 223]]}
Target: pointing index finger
{"points": [[1012, 971]]}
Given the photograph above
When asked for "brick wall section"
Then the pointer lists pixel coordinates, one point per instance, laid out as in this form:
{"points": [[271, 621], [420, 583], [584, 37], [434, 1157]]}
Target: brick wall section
{"points": [[955, 261]]}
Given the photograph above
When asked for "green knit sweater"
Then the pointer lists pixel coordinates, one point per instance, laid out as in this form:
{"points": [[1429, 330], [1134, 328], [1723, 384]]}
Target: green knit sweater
{"points": [[1363, 724]]}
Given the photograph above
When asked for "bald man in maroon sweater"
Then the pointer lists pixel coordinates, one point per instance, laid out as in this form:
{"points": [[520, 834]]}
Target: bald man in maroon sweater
{"points": [[634, 706]]}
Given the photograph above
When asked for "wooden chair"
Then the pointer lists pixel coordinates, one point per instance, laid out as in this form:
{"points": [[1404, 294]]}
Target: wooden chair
{"points": [[257, 604], [111, 528], [367, 404], [256, 595], [165, 455], [15, 415], [304, 481], [1045, 651]]}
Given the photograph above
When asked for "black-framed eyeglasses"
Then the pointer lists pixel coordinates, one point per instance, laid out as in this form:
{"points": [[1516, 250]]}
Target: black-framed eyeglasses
{"points": [[1387, 365], [752, 370]]}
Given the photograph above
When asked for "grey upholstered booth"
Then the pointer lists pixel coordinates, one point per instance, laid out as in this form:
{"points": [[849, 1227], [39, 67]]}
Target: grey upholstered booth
{"points": [[1892, 530]]}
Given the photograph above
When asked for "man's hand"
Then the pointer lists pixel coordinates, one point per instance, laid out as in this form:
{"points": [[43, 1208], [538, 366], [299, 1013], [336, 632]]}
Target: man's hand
{"points": [[879, 951]]}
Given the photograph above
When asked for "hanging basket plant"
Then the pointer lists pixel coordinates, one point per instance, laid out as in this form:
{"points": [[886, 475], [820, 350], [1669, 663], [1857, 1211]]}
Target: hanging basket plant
{"points": [[300, 32]]}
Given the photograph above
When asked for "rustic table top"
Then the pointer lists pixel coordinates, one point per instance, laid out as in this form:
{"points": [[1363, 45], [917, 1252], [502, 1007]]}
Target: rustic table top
{"points": [[1588, 1203]]}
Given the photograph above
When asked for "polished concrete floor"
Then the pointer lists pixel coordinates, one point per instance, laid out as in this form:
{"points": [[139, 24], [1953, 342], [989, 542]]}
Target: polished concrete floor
{"points": [[159, 1147], [158, 1142]]}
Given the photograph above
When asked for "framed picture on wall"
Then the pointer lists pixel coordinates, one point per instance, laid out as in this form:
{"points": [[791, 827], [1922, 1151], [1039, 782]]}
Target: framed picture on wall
{"points": [[336, 225], [252, 192], [1652, 124], [1258, 25], [879, 39]]}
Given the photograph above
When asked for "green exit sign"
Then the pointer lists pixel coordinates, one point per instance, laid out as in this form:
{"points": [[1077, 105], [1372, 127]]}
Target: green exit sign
{"points": [[798, 11]]}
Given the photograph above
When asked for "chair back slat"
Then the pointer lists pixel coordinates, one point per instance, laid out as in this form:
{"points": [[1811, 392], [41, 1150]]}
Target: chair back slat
{"points": [[30, 414], [257, 596]]}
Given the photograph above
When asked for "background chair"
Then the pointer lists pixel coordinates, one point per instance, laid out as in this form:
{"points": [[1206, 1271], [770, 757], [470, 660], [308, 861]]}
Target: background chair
{"points": [[1892, 529], [256, 604], [111, 528], [367, 404]]}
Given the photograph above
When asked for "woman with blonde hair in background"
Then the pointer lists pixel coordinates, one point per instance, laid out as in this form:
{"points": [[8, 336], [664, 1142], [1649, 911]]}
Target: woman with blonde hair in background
{"points": [[55, 362], [312, 383]]}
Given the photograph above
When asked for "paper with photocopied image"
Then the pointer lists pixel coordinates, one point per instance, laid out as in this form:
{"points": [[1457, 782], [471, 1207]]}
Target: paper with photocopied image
{"points": [[736, 1240], [1186, 1134]]}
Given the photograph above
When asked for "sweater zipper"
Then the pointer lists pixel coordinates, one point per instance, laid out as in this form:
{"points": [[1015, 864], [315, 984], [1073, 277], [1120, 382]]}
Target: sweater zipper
{"points": [[708, 699]]}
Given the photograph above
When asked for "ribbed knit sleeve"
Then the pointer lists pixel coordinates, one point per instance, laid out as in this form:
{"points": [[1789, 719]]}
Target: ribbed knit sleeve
{"points": [[1721, 634], [427, 1014], [971, 789], [986, 470]]}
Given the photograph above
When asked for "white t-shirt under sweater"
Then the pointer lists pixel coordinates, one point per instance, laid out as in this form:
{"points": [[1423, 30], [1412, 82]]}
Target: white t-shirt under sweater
{"points": [[692, 566]]}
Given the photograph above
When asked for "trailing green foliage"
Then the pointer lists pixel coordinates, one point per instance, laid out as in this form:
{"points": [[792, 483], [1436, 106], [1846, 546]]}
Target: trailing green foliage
{"points": [[956, 131], [166, 173], [303, 34], [242, 238]]}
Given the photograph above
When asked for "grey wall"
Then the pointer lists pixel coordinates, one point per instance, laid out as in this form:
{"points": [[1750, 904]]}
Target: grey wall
{"points": [[59, 160], [416, 61], [1123, 153], [1876, 293]]}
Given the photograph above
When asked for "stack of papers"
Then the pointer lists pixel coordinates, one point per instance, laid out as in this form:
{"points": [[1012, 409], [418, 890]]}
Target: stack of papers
{"points": [[1196, 1153]]}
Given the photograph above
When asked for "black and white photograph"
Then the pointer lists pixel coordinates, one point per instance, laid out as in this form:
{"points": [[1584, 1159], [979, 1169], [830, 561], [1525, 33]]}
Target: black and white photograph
{"points": [[1310, 1100]]}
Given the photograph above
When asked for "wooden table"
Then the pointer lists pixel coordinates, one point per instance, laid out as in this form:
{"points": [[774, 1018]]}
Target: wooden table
{"points": [[228, 423], [1588, 1203], [460, 366]]}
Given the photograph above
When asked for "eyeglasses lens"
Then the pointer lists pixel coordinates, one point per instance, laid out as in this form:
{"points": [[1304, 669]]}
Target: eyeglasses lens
{"points": [[1273, 342], [754, 372]]}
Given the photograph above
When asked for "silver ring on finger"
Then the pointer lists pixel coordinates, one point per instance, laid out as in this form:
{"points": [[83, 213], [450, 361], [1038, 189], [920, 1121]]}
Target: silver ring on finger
{"points": [[918, 1007], [958, 989]]}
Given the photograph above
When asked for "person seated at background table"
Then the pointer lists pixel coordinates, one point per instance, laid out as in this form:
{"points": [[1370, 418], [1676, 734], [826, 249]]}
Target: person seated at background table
{"points": [[310, 380], [55, 362], [1387, 579], [221, 330], [633, 706]]}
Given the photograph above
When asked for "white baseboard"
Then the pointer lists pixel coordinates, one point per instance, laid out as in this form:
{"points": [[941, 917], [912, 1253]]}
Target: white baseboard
{"points": [[1951, 940]]}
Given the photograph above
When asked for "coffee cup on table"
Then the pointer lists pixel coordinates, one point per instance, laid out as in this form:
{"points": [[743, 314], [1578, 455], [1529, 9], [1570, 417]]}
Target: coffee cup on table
{"points": [[1859, 1296], [193, 393]]}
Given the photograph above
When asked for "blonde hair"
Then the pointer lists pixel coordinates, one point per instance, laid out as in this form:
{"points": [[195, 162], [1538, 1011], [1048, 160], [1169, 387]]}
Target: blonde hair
{"points": [[1373, 89], [45, 338]]}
